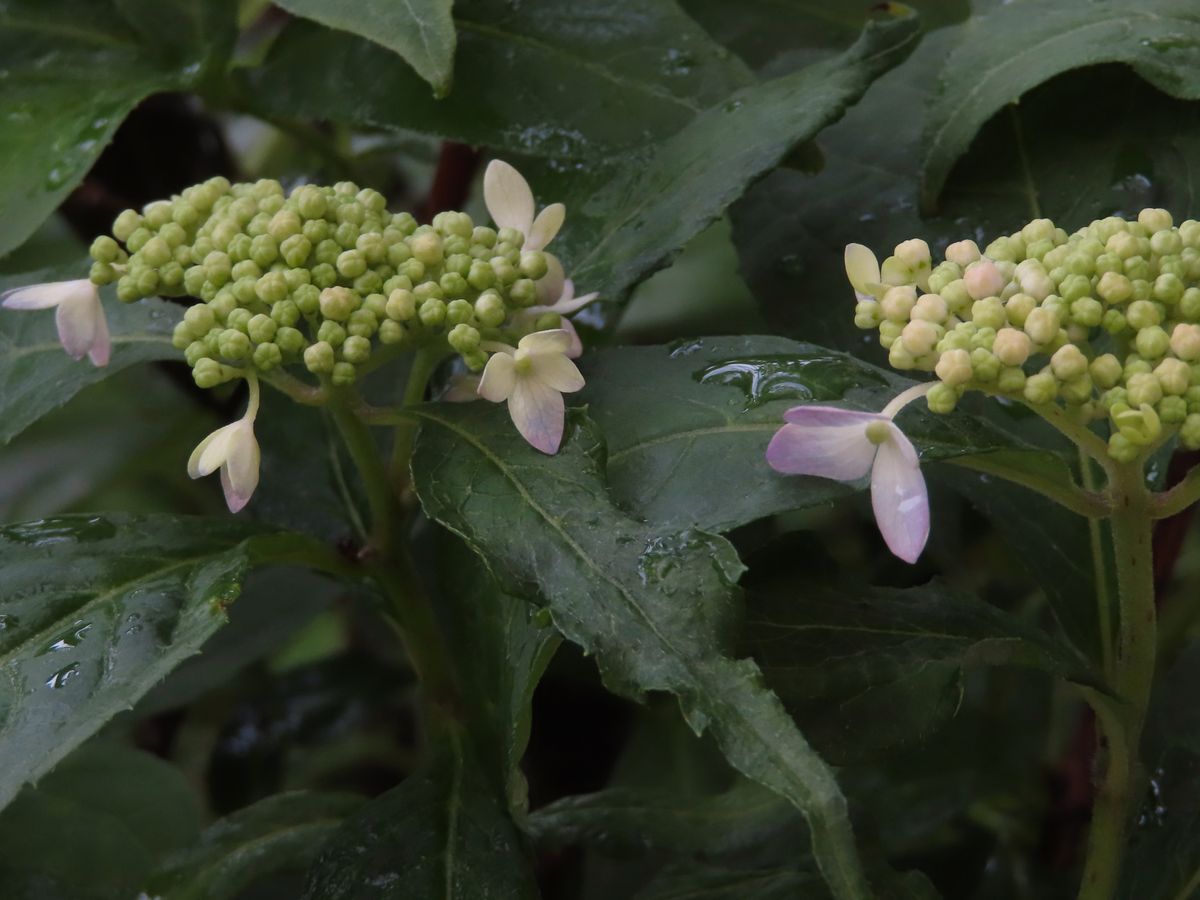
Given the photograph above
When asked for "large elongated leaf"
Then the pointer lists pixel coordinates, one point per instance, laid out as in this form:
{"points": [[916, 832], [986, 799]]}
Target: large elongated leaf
{"points": [[1003, 54], [73, 70], [868, 668], [36, 375], [628, 218], [713, 407], [528, 78], [93, 828], [702, 882], [97, 609], [653, 606], [282, 832], [442, 833], [421, 31]]}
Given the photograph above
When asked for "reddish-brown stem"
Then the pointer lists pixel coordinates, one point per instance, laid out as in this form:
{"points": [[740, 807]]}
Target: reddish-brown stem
{"points": [[456, 167]]}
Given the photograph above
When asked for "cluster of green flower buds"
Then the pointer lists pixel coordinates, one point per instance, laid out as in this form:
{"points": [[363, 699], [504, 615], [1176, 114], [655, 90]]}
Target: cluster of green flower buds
{"points": [[1105, 321], [325, 277]]}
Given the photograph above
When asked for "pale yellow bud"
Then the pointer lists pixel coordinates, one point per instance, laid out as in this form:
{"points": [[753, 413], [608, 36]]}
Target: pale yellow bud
{"points": [[1185, 342], [983, 279], [954, 368], [919, 336], [1068, 362], [898, 302], [963, 253], [1012, 347], [1041, 325], [931, 308], [1154, 219], [1018, 307], [1174, 375]]}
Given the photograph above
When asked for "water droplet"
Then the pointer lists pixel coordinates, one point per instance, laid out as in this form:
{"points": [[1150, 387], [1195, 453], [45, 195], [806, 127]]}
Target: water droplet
{"points": [[684, 347], [8, 621], [47, 532], [71, 639], [785, 377], [60, 678]]}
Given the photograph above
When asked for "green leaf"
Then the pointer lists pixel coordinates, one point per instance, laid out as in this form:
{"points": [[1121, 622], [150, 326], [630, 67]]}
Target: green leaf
{"points": [[420, 31], [630, 819], [93, 828], [1003, 54], [283, 832], [528, 78], [653, 607], [715, 405], [702, 882], [97, 609], [73, 70], [442, 833], [36, 375], [500, 653], [866, 668], [631, 216]]}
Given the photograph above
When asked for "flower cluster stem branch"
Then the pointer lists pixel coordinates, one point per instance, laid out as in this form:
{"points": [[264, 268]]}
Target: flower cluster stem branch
{"points": [[1099, 571], [425, 361], [1086, 503], [1178, 498], [1119, 736]]}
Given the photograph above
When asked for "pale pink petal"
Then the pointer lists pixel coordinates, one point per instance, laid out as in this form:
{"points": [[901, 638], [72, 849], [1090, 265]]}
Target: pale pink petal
{"points": [[463, 388], [899, 497], [545, 226], [193, 464], [44, 296], [76, 321], [101, 349], [538, 412], [555, 370], [829, 415], [499, 377], [239, 474], [568, 303], [840, 452], [210, 453], [553, 340], [862, 268], [576, 349], [508, 197], [550, 286]]}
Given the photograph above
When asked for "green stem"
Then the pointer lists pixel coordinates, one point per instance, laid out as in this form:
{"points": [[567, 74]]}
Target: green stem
{"points": [[1087, 503], [425, 361], [1099, 572], [365, 454], [1080, 435], [1120, 735], [1178, 498]]}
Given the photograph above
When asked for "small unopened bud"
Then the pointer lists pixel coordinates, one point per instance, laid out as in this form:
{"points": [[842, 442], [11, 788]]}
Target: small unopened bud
{"points": [[490, 309], [898, 302], [983, 279], [1139, 426], [1106, 370], [1152, 342], [989, 313], [954, 368], [1174, 375], [920, 336], [942, 399], [1041, 325], [1076, 391], [1041, 388], [1011, 380], [963, 253], [1068, 362], [1154, 219], [337, 303], [1121, 448], [1185, 341], [1189, 433], [1172, 410], [1018, 307], [900, 358], [1012, 347], [1114, 288], [931, 308], [1143, 389]]}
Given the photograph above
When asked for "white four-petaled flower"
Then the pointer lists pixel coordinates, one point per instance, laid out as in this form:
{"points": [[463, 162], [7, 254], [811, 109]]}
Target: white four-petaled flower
{"points": [[845, 445], [566, 304], [532, 378], [509, 199], [862, 268], [234, 450], [82, 328]]}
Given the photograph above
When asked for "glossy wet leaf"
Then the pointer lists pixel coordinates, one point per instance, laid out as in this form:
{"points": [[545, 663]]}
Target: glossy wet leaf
{"points": [[420, 31], [543, 77], [444, 832], [98, 608], [282, 832], [654, 606], [635, 820], [631, 216], [73, 69], [37, 376], [500, 652], [865, 669], [1004, 53], [93, 828], [716, 403]]}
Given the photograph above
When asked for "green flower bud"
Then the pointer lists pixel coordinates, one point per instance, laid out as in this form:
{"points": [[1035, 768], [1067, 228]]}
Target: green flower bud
{"points": [[989, 313], [1138, 269], [1041, 325], [1087, 311], [247, 268], [261, 328], [889, 333], [285, 312], [1168, 289], [170, 278], [983, 338], [1018, 307], [1139, 426], [208, 373], [463, 338], [454, 285], [264, 251], [102, 273], [1106, 370], [1011, 380], [1114, 288], [900, 358], [920, 336], [156, 252], [233, 344], [1189, 433], [267, 356], [310, 201], [104, 249], [173, 234], [1068, 362], [1142, 314], [1152, 342], [954, 367], [958, 300], [1154, 220], [319, 358], [344, 374], [316, 231], [426, 248], [550, 320], [1136, 365], [523, 292], [337, 303], [898, 302], [126, 224], [285, 224], [413, 270], [1041, 388], [356, 349], [193, 280], [534, 265], [398, 254], [1121, 448], [942, 399], [1172, 410], [290, 340], [866, 314], [362, 323], [1012, 347], [475, 360], [351, 213], [506, 272], [346, 235], [985, 367], [181, 336], [1113, 321], [490, 309], [295, 249], [147, 282], [458, 312], [324, 275], [401, 305], [138, 239], [331, 333], [433, 312], [1076, 391], [240, 247], [391, 332], [1143, 389], [1174, 376], [196, 351]]}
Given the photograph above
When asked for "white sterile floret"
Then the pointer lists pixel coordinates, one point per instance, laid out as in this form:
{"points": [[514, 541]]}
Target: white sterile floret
{"points": [[509, 200], [82, 327]]}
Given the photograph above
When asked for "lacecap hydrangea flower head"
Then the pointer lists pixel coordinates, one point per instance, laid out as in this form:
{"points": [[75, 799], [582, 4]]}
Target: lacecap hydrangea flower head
{"points": [[327, 282], [1101, 326]]}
